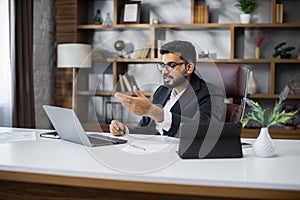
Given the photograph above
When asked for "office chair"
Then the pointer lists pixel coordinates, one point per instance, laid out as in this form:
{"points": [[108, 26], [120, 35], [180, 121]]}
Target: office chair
{"points": [[234, 79]]}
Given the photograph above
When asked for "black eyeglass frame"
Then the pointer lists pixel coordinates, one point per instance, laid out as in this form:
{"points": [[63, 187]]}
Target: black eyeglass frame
{"points": [[169, 66]]}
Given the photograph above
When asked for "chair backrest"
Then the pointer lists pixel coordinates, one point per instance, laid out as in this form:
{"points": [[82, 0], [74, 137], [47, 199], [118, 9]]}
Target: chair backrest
{"points": [[233, 78]]}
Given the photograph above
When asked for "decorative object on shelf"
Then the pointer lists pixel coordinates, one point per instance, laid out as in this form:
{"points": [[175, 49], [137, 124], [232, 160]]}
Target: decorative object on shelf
{"points": [[203, 54], [74, 55], [98, 18], [252, 84], [258, 41], [263, 147], [119, 47], [295, 120], [247, 7], [131, 12], [108, 20], [155, 21], [293, 85], [257, 52], [280, 50]]}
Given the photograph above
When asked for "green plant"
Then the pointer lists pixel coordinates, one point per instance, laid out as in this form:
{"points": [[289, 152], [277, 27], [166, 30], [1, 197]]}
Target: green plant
{"points": [[277, 117], [246, 6], [280, 50]]}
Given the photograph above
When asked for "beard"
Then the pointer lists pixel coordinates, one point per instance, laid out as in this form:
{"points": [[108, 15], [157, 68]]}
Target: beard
{"points": [[176, 82]]}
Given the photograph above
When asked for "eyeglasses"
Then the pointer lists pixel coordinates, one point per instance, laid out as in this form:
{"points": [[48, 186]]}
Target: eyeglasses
{"points": [[169, 66]]}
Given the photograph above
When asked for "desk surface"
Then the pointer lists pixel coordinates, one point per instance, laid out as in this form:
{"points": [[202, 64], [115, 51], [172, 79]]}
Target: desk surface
{"points": [[158, 164]]}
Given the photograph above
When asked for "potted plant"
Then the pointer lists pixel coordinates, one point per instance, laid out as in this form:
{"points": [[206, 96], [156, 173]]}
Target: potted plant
{"points": [[247, 7], [280, 50], [263, 145]]}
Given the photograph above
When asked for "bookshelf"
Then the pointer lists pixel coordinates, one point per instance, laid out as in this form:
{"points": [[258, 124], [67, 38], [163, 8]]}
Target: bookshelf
{"points": [[74, 25]]}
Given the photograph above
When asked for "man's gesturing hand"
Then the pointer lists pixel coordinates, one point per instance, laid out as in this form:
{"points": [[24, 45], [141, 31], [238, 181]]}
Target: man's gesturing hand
{"points": [[138, 105]]}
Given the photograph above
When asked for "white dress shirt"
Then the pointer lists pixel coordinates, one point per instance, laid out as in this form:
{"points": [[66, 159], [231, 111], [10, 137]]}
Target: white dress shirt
{"points": [[166, 124]]}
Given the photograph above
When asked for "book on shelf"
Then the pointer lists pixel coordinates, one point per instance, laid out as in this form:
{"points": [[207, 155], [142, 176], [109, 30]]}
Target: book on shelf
{"points": [[127, 82], [143, 50], [159, 45], [132, 81], [121, 82], [97, 54], [201, 14], [279, 13]]}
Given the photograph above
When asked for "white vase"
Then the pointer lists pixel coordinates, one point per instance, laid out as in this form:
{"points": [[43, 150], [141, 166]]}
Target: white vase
{"points": [[245, 18], [263, 145], [252, 84]]}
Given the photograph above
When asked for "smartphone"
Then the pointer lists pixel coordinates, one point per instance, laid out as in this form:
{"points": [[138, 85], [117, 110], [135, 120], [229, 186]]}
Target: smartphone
{"points": [[53, 135]]}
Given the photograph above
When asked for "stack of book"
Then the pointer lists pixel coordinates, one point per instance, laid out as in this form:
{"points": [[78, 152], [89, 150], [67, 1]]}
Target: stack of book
{"points": [[201, 14], [159, 44], [279, 13], [127, 82], [143, 50], [97, 54]]}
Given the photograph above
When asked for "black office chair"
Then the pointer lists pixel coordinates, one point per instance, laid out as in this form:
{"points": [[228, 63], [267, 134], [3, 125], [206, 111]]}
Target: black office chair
{"points": [[234, 79]]}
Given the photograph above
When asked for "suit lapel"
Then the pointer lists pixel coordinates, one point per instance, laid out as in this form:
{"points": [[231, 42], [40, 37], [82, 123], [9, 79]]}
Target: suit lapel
{"points": [[188, 95], [164, 97]]}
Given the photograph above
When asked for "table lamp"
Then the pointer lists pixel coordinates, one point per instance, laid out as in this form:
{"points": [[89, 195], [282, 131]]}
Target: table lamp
{"points": [[73, 55]]}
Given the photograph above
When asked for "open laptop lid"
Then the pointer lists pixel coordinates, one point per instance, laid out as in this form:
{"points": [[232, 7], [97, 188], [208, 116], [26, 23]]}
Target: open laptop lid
{"points": [[204, 140], [67, 124]]}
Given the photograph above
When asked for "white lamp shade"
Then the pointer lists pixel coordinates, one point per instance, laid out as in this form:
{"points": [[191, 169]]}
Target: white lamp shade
{"points": [[74, 56]]}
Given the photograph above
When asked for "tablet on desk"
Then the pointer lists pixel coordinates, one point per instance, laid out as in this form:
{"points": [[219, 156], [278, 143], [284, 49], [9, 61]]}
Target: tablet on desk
{"points": [[204, 140]]}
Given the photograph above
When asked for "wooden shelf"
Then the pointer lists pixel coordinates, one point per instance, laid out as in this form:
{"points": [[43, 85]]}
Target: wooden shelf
{"points": [[267, 25], [188, 26], [94, 93], [275, 133], [273, 96], [201, 60], [104, 93], [148, 26]]}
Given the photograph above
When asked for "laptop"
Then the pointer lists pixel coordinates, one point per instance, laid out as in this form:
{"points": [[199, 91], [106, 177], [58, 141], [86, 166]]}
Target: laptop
{"points": [[69, 128], [204, 140]]}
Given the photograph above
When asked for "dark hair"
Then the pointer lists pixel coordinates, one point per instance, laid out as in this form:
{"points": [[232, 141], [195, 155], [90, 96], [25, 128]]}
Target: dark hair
{"points": [[184, 49]]}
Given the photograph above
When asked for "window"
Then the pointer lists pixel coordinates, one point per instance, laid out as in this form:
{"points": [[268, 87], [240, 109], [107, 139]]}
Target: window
{"points": [[6, 67]]}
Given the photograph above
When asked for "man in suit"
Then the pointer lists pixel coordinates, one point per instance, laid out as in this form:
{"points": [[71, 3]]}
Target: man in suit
{"points": [[183, 97]]}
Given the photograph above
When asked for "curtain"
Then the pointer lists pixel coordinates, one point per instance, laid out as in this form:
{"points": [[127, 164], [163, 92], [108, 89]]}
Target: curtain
{"points": [[23, 112]]}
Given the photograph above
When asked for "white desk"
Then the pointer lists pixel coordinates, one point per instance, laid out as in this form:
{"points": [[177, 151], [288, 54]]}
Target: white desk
{"points": [[156, 171]]}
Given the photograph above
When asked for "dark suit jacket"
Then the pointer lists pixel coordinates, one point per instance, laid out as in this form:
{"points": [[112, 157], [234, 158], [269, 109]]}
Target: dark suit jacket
{"points": [[200, 101]]}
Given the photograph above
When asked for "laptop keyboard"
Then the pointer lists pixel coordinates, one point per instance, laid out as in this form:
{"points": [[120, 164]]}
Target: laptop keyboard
{"points": [[101, 139]]}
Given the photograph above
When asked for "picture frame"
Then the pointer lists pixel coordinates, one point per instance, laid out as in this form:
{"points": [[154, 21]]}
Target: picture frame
{"points": [[131, 12]]}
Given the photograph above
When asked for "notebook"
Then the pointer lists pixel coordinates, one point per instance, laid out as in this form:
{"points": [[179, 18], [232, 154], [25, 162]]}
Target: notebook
{"points": [[69, 128], [218, 140]]}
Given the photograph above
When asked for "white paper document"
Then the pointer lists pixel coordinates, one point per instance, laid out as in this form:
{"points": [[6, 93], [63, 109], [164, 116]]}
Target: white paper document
{"points": [[8, 137], [150, 144]]}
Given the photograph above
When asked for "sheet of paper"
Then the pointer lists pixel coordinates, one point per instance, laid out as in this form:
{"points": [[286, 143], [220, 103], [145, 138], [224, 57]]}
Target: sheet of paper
{"points": [[151, 145], [8, 137]]}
